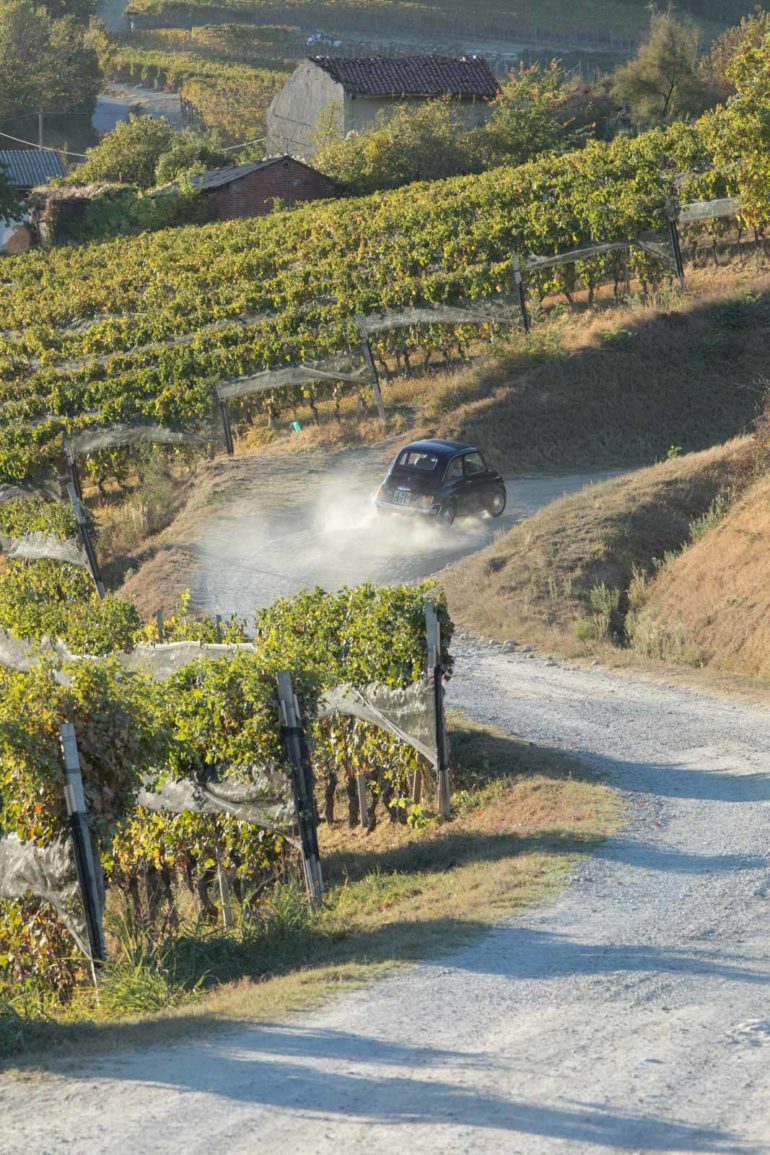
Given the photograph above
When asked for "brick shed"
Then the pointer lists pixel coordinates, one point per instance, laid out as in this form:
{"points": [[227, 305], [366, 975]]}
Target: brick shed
{"points": [[250, 190]]}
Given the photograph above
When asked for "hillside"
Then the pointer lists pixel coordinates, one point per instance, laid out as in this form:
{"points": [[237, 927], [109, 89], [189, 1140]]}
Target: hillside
{"points": [[620, 388], [711, 605], [146, 326], [596, 20], [564, 576]]}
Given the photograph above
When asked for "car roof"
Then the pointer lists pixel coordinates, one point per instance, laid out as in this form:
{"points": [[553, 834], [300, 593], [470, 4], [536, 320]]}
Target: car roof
{"points": [[439, 448]]}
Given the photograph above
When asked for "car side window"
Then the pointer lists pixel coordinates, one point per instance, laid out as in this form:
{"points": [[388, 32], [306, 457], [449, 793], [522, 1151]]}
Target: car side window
{"points": [[455, 470], [474, 463]]}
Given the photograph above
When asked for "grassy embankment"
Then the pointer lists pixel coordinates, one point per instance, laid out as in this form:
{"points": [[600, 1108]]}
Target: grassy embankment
{"points": [[668, 564], [523, 817]]}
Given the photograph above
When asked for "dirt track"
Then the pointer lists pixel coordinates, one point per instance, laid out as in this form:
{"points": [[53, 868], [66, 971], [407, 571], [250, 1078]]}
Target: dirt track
{"points": [[309, 521], [631, 1015]]}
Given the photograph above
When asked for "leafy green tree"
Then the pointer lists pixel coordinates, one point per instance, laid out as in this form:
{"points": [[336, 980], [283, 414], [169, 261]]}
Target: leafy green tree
{"points": [[81, 10], [751, 32], [738, 134], [664, 81], [425, 143], [528, 118], [44, 62], [127, 155], [9, 201], [190, 152]]}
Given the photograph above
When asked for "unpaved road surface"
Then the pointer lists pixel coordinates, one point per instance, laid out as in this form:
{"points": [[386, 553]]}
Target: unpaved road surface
{"points": [[309, 520], [630, 1015]]}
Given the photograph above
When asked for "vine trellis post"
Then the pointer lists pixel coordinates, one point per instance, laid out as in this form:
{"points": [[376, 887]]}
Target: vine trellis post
{"points": [[85, 538], [83, 847], [302, 783], [436, 675]]}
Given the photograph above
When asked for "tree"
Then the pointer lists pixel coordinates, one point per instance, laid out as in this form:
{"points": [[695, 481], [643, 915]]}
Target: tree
{"points": [[751, 32], [738, 134], [528, 118], [664, 81], [9, 200], [44, 63], [190, 152], [127, 155], [81, 10], [429, 142]]}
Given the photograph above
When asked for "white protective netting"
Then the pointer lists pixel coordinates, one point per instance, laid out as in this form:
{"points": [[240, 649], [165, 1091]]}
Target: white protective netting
{"points": [[47, 872]]}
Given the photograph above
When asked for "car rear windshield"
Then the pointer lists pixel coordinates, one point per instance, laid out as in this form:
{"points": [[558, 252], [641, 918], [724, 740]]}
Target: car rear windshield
{"points": [[417, 461]]}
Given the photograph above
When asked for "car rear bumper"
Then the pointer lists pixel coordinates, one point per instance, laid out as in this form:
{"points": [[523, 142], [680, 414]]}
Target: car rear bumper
{"points": [[409, 510]]}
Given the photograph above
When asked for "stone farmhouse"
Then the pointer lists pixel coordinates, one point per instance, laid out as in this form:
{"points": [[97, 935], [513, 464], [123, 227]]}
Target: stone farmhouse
{"points": [[348, 95]]}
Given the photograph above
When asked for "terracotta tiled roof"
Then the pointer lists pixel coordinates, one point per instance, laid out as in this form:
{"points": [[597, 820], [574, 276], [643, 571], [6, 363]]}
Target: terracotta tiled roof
{"points": [[470, 76]]}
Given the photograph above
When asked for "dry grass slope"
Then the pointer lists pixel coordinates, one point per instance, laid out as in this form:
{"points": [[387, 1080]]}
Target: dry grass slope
{"points": [[713, 600], [567, 571], [620, 388]]}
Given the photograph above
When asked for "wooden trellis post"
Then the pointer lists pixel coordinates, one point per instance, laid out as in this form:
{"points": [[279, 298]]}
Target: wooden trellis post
{"points": [[302, 782]]}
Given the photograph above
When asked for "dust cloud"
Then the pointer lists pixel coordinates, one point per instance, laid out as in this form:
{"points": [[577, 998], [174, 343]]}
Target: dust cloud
{"points": [[328, 533]]}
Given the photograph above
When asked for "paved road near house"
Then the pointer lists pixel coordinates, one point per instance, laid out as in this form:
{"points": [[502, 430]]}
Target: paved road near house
{"points": [[632, 1014]]}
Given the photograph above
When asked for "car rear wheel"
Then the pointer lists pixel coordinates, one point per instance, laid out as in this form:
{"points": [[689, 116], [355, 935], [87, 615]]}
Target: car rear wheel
{"points": [[448, 513], [496, 503]]}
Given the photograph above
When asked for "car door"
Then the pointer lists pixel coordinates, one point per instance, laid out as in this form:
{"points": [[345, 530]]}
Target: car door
{"points": [[476, 482], [454, 482]]}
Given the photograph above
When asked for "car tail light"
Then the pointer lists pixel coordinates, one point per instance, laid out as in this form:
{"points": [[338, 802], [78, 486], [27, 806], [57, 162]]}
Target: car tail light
{"points": [[428, 501], [380, 494]]}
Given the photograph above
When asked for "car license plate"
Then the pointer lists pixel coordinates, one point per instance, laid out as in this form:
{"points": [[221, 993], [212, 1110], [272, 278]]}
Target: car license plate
{"points": [[402, 497]]}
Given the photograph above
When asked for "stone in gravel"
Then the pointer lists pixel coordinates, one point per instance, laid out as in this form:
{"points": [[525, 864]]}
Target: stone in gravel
{"points": [[527, 649], [509, 647]]}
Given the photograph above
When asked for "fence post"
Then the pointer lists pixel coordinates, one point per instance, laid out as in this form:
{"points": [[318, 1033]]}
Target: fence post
{"points": [[363, 801], [226, 427], [302, 782], [436, 674], [74, 474], [676, 248], [224, 891], [522, 295], [159, 623], [367, 351], [85, 538], [81, 838]]}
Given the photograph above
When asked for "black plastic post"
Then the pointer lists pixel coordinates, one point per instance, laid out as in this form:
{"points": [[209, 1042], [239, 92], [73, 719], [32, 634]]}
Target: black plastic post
{"points": [[302, 783], [436, 674], [226, 428], [85, 538], [521, 293], [366, 348], [81, 839]]}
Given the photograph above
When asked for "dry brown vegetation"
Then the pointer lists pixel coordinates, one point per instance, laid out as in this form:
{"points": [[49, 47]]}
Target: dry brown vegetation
{"points": [[710, 605], [565, 574], [592, 387]]}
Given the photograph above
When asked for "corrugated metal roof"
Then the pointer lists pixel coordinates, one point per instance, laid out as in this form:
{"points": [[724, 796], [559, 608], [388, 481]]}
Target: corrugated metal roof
{"points": [[469, 76], [29, 167]]}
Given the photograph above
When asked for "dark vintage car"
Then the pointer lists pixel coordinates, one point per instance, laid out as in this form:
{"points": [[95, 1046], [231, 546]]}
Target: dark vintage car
{"points": [[442, 479]]}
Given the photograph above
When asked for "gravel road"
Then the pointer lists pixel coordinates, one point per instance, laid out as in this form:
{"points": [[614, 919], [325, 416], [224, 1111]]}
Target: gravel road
{"points": [[629, 1015], [309, 521]]}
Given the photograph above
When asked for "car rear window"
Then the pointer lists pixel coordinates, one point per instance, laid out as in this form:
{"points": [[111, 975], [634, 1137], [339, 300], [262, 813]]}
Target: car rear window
{"points": [[414, 459]]}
